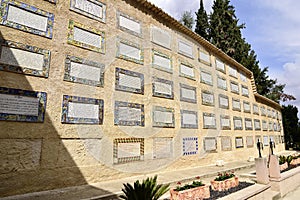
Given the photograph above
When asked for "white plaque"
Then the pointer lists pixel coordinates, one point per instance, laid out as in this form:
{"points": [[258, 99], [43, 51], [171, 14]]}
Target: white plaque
{"points": [[237, 123], [247, 107], [130, 81], [220, 65], [161, 37], [130, 24], [85, 71], [222, 83], [188, 93], [270, 126], [249, 141], [162, 148], [232, 71], [234, 87], [236, 104], [89, 7], [19, 105], [129, 114], [209, 121], [130, 51], [266, 140], [206, 78], [225, 122], [163, 117], [264, 125], [207, 98], [245, 91], [27, 18], [190, 146], [204, 57], [257, 124], [163, 88], [186, 70], [162, 61], [128, 149], [210, 144], [239, 142], [226, 143], [189, 118], [243, 77], [248, 123], [87, 37], [17, 57], [83, 110], [186, 49], [223, 101], [255, 109], [263, 111]]}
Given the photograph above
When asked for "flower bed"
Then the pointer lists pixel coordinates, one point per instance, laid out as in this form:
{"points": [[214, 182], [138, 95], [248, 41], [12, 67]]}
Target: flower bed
{"points": [[283, 166], [224, 182]]}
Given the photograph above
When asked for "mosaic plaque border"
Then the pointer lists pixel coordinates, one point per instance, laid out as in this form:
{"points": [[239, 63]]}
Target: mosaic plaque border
{"points": [[222, 126], [128, 58], [24, 70], [213, 150], [187, 65], [87, 14], [161, 124], [237, 118], [247, 120], [225, 97], [226, 138], [68, 77], [4, 13], [236, 145], [84, 100], [129, 105], [117, 160], [129, 73], [209, 126], [71, 41], [162, 95], [190, 126], [189, 88], [185, 152], [26, 93], [207, 103], [126, 29], [156, 52]]}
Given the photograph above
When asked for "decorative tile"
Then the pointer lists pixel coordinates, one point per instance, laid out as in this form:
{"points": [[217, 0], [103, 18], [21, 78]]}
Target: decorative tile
{"points": [[238, 123], [87, 72], [249, 141], [248, 124], [128, 150], [190, 145], [130, 51], [225, 122], [13, 14], [226, 143], [188, 93], [186, 70], [223, 101], [22, 105], [161, 61], [189, 119], [90, 8], [162, 147], [209, 121], [31, 60], [162, 88], [129, 114], [129, 81], [207, 98], [163, 117], [129, 24], [210, 144], [82, 110], [86, 37], [239, 143]]}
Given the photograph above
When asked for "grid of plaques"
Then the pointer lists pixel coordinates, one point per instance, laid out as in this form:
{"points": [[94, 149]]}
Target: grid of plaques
{"points": [[128, 150], [190, 145]]}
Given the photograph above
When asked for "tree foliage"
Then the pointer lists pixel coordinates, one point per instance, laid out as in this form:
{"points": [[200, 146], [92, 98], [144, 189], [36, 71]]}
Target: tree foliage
{"points": [[202, 26], [187, 19], [290, 124]]}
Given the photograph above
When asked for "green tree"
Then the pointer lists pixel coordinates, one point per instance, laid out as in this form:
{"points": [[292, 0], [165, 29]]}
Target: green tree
{"points": [[187, 19], [290, 124], [202, 25]]}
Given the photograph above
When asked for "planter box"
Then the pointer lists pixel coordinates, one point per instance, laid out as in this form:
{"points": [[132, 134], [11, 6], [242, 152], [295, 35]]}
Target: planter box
{"points": [[295, 161], [199, 193], [283, 166], [224, 185]]}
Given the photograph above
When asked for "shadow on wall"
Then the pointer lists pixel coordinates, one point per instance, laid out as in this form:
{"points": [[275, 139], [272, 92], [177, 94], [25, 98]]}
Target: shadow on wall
{"points": [[33, 156]]}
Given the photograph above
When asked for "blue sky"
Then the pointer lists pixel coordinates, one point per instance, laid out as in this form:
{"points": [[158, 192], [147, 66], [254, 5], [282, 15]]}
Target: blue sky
{"points": [[272, 29]]}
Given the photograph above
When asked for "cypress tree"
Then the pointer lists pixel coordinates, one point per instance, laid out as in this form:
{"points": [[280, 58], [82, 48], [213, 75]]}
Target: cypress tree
{"points": [[202, 26]]}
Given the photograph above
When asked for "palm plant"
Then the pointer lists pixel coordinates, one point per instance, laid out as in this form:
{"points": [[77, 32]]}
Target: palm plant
{"points": [[147, 190]]}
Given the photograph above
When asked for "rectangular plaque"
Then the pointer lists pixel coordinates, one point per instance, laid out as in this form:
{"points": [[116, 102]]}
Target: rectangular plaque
{"points": [[243, 77], [204, 57], [247, 107], [238, 123], [270, 126], [185, 49], [129, 81], [255, 109], [264, 125], [223, 101], [186, 70], [239, 143], [263, 111], [190, 146], [161, 37], [82, 110], [162, 148], [257, 124], [130, 51], [273, 114], [22, 105], [210, 144], [234, 86], [269, 112], [207, 98], [225, 122], [248, 124], [129, 24], [24, 59], [258, 138], [245, 91], [84, 71], [209, 121], [222, 83], [161, 61], [86, 37], [226, 143], [129, 114], [275, 126], [162, 88], [236, 104], [26, 18], [163, 117], [188, 93], [277, 139], [189, 119], [232, 71], [266, 140], [220, 65], [91, 8], [128, 150], [206, 78]]}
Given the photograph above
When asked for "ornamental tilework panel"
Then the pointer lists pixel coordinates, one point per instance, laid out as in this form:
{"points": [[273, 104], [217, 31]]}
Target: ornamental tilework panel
{"points": [[24, 59], [129, 114], [22, 105], [91, 8], [190, 145], [26, 18], [79, 70], [130, 51], [129, 81], [86, 37], [82, 110], [162, 88], [128, 150]]}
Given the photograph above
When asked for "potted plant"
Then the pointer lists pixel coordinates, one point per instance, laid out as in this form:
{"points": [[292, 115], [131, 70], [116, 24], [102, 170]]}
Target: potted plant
{"points": [[282, 163], [224, 181], [195, 190]]}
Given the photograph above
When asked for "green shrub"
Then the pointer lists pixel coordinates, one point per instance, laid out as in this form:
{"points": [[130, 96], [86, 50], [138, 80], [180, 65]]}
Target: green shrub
{"points": [[282, 160], [189, 186], [224, 176], [289, 159], [147, 190]]}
